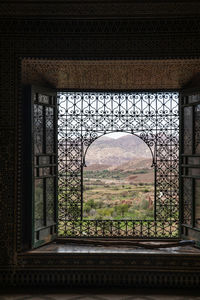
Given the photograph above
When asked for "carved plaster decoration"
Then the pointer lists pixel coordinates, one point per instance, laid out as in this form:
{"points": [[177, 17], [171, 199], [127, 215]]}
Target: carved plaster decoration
{"points": [[110, 74]]}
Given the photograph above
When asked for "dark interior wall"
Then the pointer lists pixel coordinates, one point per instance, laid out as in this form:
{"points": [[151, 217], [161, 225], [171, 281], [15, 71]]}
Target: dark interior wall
{"points": [[78, 30], [100, 8]]}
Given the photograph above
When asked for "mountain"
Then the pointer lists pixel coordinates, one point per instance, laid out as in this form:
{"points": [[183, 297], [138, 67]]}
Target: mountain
{"points": [[135, 164], [128, 149]]}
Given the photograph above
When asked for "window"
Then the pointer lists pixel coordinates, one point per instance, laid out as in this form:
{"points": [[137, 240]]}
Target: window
{"points": [[64, 131], [85, 116], [40, 166], [190, 163]]}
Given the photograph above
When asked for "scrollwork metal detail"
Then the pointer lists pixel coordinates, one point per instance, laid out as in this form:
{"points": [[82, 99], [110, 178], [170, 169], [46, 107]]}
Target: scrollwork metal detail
{"points": [[85, 116]]}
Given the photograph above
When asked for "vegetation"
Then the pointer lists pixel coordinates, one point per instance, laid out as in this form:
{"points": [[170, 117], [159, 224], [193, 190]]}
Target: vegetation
{"points": [[115, 174], [107, 197]]}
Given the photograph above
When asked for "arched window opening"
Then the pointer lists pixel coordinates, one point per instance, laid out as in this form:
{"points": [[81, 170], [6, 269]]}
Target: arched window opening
{"points": [[118, 179]]}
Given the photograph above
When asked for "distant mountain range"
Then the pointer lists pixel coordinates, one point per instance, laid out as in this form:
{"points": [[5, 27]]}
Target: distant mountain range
{"points": [[125, 153]]}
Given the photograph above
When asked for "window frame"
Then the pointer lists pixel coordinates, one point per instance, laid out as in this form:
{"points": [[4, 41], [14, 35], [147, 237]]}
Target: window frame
{"points": [[125, 91], [188, 230], [27, 145], [33, 238]]}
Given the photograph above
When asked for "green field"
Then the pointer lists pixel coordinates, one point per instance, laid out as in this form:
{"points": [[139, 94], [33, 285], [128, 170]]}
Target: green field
{"points": [[110, 195]]}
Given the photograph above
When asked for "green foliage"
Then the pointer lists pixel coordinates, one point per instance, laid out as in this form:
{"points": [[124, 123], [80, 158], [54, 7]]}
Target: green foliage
{"points": [[144, 204], [117, 202], [108, 195], [121, 209], [102, 174], [115, 174], [140, 171]]}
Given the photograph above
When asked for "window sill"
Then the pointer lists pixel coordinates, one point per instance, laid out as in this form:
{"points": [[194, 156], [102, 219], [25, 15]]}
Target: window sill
{"points": [[70, 257], [73, 248]]}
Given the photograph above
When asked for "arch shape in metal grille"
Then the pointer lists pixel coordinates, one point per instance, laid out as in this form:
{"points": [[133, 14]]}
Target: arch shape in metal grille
{"points": [[85, 116]]}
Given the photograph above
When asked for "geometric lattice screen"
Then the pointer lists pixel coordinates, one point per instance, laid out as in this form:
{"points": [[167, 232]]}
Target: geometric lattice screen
{"points": [[85, 116]]}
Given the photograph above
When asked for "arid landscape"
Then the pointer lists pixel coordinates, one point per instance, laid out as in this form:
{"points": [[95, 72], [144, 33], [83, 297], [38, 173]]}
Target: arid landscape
{"points": [[118, 179]]}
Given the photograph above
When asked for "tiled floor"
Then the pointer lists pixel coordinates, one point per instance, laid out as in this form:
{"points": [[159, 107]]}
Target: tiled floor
{"points": [[101, 295]]}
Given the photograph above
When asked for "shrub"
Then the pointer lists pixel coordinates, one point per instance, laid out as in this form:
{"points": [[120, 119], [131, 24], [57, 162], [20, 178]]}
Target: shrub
{"points": [[122, 209], [144, 204]]}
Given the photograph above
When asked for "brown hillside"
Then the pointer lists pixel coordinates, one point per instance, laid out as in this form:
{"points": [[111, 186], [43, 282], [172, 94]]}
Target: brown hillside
{"points": [[116, 152], [135, 164]]}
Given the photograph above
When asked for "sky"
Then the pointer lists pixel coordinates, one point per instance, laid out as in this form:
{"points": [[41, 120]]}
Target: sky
{"points": [[116, 135]]}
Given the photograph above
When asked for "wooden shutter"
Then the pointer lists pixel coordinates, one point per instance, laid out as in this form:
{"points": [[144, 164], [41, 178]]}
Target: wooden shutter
{"points": [[190, 163], [40, 164]]}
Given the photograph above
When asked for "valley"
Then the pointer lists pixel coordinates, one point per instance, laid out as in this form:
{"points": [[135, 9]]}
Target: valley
{"points": [[118, 180]]}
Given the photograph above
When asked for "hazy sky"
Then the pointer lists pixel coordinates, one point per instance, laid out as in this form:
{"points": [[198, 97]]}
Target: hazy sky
{"points": [[116, 135]]}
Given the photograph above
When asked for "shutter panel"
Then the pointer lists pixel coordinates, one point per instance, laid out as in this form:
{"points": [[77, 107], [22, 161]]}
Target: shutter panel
{"points": [[41, 164], [190, 163]]}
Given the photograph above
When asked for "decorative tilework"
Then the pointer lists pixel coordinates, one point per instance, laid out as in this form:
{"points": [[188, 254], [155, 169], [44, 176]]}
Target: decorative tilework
{"points": [[55, 39]]}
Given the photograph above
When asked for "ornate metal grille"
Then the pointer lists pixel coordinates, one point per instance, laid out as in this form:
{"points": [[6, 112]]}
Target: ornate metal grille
{"points": [[85, 116]]}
